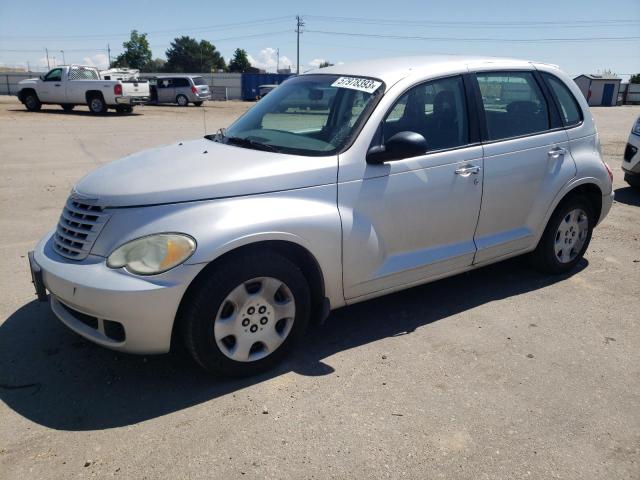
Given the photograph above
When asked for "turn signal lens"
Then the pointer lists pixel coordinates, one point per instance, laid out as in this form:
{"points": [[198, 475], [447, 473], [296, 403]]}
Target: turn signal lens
{"points": [[153, 254]]}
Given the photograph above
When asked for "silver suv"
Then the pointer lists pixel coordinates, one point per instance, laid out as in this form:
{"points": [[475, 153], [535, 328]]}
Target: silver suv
{"points": [[180, 89], [412, 170]]}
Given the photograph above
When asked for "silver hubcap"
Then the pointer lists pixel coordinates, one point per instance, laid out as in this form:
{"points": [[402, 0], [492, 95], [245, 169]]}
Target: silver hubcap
{"points": [[96, 105], [254, 319], [182, 101], [571, 235]]}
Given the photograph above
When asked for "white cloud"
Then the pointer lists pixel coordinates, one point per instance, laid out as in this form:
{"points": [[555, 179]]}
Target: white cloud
{"points": [[316, 62], [99, 60], [267, 59]]}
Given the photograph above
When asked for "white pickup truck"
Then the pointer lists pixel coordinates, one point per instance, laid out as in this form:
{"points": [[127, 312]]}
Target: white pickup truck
{"points": [[73, 85]]}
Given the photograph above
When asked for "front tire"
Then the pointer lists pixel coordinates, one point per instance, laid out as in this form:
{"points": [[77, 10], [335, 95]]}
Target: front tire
{"points": [[32, 102], [97, 105], [245, 315], [632, 180], [182, 100], [566, 237]]}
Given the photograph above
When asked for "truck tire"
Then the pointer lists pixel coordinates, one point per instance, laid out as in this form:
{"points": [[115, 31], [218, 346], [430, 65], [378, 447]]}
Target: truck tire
{"points": [[31, 101], [566, 237], [96, 104], [182, 101], [67, 107], [245, 314], [124, 109]]}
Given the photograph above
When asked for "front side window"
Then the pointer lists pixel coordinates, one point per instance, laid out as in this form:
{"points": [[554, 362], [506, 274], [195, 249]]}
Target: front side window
{"points": [[309, 115], [437, 110], [54, 75], [513, 104], [569, 109]]}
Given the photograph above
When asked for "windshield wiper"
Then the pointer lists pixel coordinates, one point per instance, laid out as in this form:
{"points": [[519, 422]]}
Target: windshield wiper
{"points": [[248, 143]]}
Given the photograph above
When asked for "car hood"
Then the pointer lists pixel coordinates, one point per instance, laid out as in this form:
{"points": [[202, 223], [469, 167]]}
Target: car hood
{"points": [[198, 170]]}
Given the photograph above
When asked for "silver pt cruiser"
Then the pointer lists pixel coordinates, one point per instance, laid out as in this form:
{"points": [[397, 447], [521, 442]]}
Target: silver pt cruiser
{"points": [[341, 185]]}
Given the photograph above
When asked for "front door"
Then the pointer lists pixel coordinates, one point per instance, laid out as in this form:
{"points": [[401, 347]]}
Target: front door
{"points": [[52, 89], [526, 163], [410, 220]]}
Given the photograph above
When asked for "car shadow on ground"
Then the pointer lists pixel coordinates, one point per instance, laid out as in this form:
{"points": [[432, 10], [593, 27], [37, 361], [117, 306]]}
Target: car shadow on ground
{"points": [[55, 378], [86, 113], [628, 196]]}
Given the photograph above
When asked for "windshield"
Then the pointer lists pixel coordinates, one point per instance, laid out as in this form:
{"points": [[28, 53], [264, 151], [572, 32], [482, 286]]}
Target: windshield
{"points": [[308, 115]]}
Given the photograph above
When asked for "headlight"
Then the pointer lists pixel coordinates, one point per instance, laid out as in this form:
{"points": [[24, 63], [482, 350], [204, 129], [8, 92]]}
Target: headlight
{"points": [[153, 254], [636, 127]]}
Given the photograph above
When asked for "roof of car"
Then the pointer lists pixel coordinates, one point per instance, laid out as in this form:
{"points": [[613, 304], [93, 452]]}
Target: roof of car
{"points": [[390, 70]]}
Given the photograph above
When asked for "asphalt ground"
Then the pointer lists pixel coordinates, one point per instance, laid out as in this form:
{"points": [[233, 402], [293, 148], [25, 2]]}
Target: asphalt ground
{"points": [[500, 373]]}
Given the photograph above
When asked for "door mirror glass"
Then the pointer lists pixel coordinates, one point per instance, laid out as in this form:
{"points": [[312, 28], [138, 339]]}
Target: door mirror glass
{"points": [[399, 146]]}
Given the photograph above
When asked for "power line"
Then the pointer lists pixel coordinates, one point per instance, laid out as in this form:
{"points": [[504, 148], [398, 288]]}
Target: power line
{"points": [[471, 39]]}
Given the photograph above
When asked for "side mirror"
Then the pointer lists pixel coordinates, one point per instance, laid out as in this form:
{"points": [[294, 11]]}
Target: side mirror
{"points": [[399, 146], [41, 77]]}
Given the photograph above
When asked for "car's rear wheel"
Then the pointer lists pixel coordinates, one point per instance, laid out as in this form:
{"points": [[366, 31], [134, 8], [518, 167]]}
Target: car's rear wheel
{"points": [[32, 102], [566, 237], [632, 180], [244, 317], [67, 107], [182, 100], [97, 105]]}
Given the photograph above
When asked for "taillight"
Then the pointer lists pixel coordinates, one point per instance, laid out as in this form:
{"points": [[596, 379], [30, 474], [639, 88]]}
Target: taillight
{"points": [[194, 89], [117, 89], [609, 171]]}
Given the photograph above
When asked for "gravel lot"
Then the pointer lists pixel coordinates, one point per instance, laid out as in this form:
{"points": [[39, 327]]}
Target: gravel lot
{"points": [[498, 373]]}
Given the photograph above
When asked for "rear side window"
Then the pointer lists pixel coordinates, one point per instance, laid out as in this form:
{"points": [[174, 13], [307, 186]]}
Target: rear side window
{"points": [[513, 104], [198, 81], [437, 110], [569, 108], [180, 82]]}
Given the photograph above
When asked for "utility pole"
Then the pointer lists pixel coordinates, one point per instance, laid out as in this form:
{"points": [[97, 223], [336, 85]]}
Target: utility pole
{"points": [[277, 60], [299, 25], [109, 54], [64, 62], [47, 50]]}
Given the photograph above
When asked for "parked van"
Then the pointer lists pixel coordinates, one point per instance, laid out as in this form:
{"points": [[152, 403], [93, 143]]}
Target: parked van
{"points": [[180, 89], [417, 169]]}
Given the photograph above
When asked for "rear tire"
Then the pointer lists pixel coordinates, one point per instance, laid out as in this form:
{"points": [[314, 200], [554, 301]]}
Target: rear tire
{"points": [[67, 108], [97, 105], [182, 101], [197, 104], [32, 102], [566, 237], [235, 343], [632, 180]]}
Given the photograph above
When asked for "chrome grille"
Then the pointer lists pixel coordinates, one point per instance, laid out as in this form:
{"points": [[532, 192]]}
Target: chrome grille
{"points": [[80, 223]]}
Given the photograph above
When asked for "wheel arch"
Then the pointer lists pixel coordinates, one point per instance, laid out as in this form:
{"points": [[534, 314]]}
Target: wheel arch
{"points": [[294, 251], [92, 93], [24, 91]]}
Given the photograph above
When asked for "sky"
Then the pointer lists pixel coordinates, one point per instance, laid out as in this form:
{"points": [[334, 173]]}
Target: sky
{"points": [[585, 36]]}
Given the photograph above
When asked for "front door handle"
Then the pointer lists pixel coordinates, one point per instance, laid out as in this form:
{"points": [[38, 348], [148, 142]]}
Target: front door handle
{"points": [[557, 152], [468, 170], [57, 84]]}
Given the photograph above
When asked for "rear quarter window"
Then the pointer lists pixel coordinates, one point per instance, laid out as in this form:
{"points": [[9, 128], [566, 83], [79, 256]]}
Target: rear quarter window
{"points": [[198, 81], [569, 108]]}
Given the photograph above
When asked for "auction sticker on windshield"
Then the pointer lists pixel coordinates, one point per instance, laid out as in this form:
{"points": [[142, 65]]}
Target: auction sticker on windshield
{"points": [[354, 83]]}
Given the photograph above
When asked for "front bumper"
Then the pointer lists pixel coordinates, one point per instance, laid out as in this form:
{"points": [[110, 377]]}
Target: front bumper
{"points": [[131, 100], [89, 298], [631, 160]]}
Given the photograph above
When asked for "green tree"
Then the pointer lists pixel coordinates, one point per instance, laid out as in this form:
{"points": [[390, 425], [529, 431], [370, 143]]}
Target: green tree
{"points": [[136, 52], [325, 64], [635, 78], [186, 54], [155, 65], [240, 61]]}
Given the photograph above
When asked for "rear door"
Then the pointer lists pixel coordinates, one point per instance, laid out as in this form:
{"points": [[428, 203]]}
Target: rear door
{"points": [[166, 90], [526, 161]]}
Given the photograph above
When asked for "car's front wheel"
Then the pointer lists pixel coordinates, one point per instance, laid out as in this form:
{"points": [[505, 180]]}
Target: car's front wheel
{"points": [[244, 315], [32, 102], [566, 237]]}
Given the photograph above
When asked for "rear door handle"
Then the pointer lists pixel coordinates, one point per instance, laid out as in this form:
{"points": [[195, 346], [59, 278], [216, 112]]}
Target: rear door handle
{"points": [[466, 171], [557, 152], [57, 84]]}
